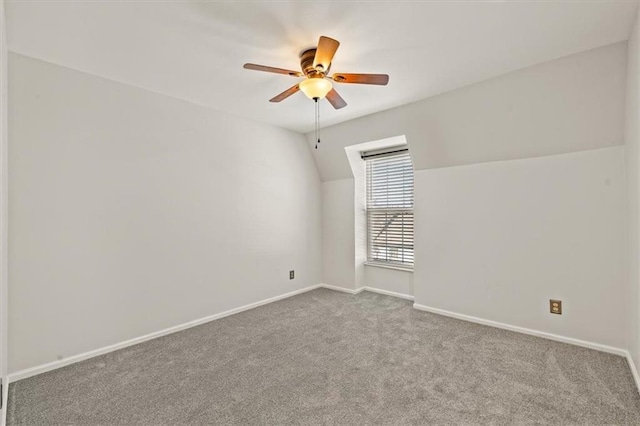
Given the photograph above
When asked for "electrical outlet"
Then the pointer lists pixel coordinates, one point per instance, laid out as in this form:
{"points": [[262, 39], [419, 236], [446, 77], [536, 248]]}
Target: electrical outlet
{"points": [[555, 306], [291, 275]]}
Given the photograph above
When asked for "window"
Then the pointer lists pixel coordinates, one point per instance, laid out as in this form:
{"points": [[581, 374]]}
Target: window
{"points": [[389, 207]]}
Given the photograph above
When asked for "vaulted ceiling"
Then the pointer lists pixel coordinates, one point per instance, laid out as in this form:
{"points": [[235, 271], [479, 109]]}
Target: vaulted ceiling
{"points": [[195, 50]]}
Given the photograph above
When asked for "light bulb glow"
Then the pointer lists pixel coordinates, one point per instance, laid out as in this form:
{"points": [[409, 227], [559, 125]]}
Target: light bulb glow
{"points": [[315, 87]]}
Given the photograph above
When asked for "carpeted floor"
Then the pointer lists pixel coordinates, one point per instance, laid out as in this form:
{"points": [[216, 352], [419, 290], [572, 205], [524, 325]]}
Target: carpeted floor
{"points": [[325, 357]]}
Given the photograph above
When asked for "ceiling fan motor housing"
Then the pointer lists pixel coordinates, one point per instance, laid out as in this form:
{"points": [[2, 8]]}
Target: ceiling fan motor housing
{"points": [[306, 64]]}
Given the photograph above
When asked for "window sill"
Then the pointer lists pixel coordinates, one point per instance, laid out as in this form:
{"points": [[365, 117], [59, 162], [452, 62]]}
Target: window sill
{"points": [[389, 266]]}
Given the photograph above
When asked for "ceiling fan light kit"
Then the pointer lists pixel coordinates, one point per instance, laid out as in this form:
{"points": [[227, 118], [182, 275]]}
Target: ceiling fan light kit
{"points": [[315, 88]]}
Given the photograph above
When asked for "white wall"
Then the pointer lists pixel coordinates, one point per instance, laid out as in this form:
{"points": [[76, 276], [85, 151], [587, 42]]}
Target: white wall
{"points": [[498, 240], [632, 140], [3, 210], [571, 104], [393, 280], [338, 235], [132, 212]]}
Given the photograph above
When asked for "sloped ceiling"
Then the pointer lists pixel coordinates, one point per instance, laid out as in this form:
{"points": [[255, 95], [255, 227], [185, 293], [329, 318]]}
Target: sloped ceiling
{"points": [[195, 50]]}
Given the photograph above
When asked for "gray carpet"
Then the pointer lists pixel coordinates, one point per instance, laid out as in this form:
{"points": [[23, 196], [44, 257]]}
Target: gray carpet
{"points": [[325, 357]]}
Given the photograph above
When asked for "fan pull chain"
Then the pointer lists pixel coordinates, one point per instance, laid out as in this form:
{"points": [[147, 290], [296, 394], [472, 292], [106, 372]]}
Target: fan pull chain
{"points": [[317, 122]]}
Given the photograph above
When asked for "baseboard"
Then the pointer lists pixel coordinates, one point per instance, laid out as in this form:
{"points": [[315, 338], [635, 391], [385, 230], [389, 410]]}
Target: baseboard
{"points": [[543, 334], [342, 289], [29, 372], [366, 288], [387, 292], [634, 370], [5, 400]]}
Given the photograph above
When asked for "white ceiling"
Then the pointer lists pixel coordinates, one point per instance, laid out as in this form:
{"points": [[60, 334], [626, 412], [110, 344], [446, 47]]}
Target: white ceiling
{"points": [[195, 50]]}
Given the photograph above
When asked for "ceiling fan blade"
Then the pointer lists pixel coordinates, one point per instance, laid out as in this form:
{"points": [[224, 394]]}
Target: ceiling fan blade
{"points": [[324, 53], [379, 79], [335, 99], [256, 67], [284, 95]]}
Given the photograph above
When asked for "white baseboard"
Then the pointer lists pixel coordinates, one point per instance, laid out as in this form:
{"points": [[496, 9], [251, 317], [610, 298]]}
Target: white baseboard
{"points": [[543, 334], [29, 372], [366, 288], [23, 374], [342, 289], [5, 400], [387, 292], [634, 370]]}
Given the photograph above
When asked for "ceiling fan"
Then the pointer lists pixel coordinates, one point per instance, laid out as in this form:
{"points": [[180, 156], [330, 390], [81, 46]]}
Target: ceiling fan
{"points": [[315, 64]]}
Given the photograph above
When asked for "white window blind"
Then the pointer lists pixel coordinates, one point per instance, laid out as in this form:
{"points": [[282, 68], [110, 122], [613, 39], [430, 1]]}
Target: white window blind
{"points": [[390, 209]]}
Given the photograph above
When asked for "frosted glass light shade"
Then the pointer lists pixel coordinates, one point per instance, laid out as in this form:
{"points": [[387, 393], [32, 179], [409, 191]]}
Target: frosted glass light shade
{"points": [[315, 87]]}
